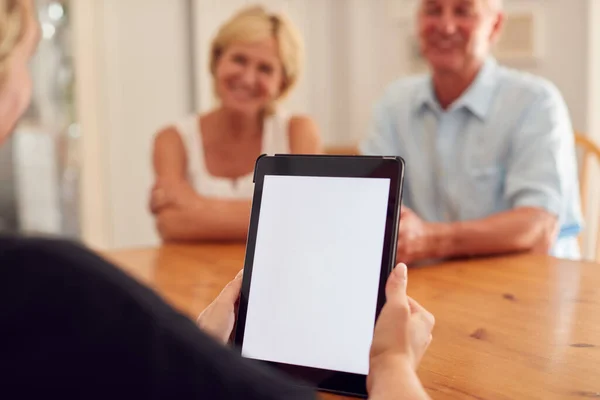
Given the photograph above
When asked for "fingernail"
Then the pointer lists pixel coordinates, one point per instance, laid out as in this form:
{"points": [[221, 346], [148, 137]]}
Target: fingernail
{"points": [[240, 274], [401, 271]]}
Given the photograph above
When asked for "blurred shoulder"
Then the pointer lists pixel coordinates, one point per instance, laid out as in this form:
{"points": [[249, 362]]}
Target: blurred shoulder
{"points": [[404, 90], [22, 243], [40, 252], [528, 87], [168, 135], [173, 137], [57, 264]]}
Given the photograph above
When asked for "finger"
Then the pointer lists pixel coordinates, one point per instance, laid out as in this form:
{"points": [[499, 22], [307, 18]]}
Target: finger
{"points": [[155, 197], [153, 205], [158, 185], [402, 253], [418, 311], [402, 243], [156, 205], [231, 292], [395, 288], [156, 190], [158, 195], [405, 225], [421, 334], [400, 257], [422, 324], [414, 305]]}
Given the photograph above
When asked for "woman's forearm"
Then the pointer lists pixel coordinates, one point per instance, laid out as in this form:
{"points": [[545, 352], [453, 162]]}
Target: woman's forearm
{"points": [[211, 219]]}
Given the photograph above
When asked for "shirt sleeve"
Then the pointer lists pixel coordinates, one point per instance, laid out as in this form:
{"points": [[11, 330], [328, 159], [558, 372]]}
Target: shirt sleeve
{"points": [[380, 136], [77, 326], [383, 136], [542, 165]]}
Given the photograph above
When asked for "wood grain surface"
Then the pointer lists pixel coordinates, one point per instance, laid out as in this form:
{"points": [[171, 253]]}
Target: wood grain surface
{"points": [[521, 327]]}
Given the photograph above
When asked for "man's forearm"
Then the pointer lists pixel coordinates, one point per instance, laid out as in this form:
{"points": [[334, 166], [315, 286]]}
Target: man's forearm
{"points": [[211, 220], [519, 230]]}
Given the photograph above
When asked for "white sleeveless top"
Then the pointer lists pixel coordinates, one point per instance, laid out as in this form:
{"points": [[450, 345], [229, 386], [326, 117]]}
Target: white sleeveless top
{"points": [[275, 140]]}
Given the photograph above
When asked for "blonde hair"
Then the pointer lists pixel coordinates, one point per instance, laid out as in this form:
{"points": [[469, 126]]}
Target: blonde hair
{"points": [[255, 24], [12, 27]]}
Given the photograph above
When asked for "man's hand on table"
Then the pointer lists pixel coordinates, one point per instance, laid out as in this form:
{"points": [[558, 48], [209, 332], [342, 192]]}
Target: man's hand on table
{"points": [[416, 238]]}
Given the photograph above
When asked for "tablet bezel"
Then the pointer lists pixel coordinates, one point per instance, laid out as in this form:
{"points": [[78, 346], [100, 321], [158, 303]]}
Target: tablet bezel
{"points": [[338, 382]]}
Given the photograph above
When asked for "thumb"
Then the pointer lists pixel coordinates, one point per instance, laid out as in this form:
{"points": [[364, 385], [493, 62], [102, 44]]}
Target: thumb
{"points": [[395, 288], [231, 292]]}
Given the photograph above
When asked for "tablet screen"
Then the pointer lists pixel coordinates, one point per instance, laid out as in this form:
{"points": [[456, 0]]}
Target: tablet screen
{"points": [[316, 271]]}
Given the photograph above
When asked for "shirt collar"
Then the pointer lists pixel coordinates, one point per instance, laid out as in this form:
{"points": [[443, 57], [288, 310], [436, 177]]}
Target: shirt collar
{"points": [[477, 98]]}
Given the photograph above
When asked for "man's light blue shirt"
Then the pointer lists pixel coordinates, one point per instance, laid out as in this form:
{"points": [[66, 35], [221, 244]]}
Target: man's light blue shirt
{"points": [[507, 142]]}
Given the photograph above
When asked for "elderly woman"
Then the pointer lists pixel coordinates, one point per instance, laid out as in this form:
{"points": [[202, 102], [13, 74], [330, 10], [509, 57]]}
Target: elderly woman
{"points": [[77, 327], [203, 164]]}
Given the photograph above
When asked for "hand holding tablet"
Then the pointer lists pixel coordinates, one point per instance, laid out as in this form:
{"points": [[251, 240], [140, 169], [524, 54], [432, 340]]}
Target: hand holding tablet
{"points": [[402, 335], [321, 245]]}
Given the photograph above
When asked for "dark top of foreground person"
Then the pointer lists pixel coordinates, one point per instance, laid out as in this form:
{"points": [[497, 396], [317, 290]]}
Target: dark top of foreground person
{"points": [[74, 325]]}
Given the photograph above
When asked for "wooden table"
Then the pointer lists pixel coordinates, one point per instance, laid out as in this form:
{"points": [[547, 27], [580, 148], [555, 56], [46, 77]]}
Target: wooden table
{"points": [[522, 327]]}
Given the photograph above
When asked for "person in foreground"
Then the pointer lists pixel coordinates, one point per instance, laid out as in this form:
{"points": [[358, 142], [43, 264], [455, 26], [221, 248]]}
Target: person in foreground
{"points": [[490, 150], [76, 326], [204, 164]]}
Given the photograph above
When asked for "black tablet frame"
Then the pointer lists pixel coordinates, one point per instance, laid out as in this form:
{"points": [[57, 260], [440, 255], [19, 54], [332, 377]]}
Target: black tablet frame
{"points": [[338, 382]]}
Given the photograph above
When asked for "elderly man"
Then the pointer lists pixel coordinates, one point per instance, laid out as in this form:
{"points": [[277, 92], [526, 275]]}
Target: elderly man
{"points": [[490, 156]]}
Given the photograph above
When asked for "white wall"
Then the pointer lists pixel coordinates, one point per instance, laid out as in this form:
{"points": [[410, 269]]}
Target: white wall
{"points": [[134, 78], [87, 17], [593, 120], [593, 70], [567, 53]]}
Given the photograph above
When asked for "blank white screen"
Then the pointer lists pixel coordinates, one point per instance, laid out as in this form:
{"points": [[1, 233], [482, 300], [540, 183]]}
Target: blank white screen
{"points": [[315, 276]]}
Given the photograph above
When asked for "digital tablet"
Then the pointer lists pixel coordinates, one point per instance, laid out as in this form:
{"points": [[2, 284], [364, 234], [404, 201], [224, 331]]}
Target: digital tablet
{"points": [[321, 244]]}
